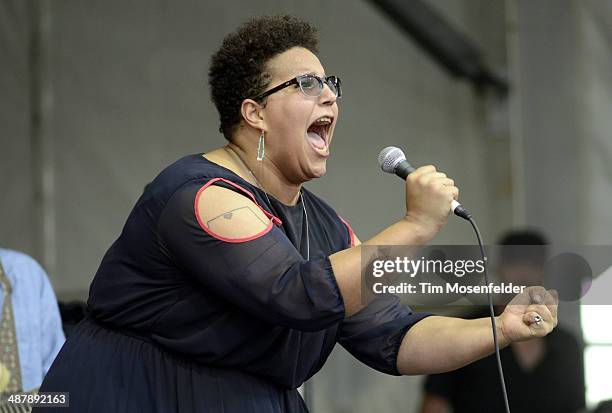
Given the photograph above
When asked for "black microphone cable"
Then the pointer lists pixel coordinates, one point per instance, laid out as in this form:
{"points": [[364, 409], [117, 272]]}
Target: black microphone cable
{"points": [[500, 369], [460, 211]]}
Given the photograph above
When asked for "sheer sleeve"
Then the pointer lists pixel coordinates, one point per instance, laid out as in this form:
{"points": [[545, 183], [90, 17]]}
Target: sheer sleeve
{"points": [[265, 276], [375, 333]]}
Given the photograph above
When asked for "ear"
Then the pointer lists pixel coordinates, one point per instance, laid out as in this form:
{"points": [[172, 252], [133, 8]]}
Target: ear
{"points": [[252, 113]]}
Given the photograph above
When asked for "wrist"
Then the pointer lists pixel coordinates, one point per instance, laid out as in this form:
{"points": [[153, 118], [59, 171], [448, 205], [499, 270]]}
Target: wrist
{"points": [[422, 230], [502, 339]]}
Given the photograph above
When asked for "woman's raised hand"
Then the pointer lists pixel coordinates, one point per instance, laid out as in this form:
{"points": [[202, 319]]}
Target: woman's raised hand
{"points": [[429, 194]]}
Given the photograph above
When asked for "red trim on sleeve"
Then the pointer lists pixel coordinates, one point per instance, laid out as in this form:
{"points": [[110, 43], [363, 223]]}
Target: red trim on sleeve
{"points": [[273, 219], [350, 230]]}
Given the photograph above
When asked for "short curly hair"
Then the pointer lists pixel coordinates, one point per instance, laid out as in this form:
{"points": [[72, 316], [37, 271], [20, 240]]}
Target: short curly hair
{"points": [[238, 69]]}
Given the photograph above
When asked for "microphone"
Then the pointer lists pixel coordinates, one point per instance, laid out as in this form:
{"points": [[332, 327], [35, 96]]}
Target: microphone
{"points": [[392, 160]]}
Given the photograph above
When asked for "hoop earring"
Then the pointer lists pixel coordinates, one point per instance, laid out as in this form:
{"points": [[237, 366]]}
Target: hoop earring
{"points": [[261, 146]]}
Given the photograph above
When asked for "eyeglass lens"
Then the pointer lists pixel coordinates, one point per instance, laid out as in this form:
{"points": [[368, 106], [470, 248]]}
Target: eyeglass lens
{"points": [[313, 86]]}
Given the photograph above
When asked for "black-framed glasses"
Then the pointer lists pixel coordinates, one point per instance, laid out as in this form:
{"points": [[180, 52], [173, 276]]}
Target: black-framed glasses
{"points": [[310, 85]]}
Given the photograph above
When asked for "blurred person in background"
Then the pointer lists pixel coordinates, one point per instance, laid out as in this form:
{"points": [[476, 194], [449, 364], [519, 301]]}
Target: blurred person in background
{"points": [[31, 332], [544, 375]]}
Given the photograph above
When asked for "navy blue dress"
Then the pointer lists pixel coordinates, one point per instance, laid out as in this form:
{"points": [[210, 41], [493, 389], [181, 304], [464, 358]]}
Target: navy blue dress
{"points": [[182, 321]]}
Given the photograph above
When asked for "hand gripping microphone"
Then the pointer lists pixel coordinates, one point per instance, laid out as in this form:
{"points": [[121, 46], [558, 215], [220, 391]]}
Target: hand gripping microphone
{"points": [[392, 160]]}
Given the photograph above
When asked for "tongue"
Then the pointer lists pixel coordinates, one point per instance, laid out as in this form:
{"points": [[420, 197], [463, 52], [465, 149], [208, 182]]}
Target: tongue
{"points": [[316, 140]]}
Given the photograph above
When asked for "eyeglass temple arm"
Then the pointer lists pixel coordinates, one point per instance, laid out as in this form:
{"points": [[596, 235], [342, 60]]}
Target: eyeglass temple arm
{"points": [[276, 89]]}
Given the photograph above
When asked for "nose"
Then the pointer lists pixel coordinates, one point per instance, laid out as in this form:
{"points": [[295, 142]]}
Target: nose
{"points": [[328, 97]]}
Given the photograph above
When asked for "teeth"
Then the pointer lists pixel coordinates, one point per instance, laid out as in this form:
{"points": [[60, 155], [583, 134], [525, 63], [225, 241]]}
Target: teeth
{"points": [[323, 121], [323, 149]]}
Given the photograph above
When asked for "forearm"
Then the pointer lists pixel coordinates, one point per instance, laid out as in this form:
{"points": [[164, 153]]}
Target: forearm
{"points": [[439, 344], [347, 264]]}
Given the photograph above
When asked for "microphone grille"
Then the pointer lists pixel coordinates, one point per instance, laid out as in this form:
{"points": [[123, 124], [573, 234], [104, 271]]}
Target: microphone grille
{"points": [[389, 157]]}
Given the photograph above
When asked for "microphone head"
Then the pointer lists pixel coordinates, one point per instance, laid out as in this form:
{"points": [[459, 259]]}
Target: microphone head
{"points": [[389, 157]]}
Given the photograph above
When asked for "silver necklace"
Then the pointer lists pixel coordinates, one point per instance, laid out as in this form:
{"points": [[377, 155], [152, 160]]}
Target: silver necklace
{"points": [[270, 203]]}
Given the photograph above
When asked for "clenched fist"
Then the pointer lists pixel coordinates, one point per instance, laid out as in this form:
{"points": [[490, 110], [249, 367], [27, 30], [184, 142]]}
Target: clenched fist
{"points": [[429, 194], [533, 313]]}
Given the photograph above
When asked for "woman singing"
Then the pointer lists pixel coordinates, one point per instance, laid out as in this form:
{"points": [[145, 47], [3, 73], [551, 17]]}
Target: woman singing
{"points": [[230, 283]]}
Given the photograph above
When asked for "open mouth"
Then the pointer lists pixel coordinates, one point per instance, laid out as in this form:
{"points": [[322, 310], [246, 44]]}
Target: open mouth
{"points": [[318, 133]]}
